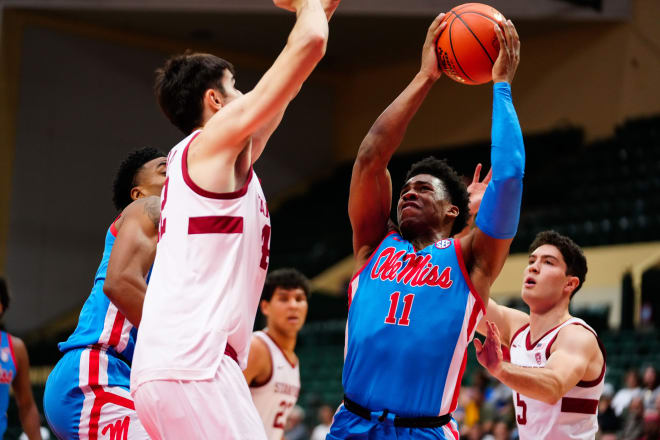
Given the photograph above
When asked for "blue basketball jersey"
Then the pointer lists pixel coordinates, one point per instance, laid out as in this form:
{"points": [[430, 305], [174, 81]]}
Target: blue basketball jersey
{"points": [[412, 314], [100, 323], [7, 375]]}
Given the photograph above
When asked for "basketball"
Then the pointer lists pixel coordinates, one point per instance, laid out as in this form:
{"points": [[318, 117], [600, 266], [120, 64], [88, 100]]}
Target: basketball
{"points": [[468, 47]]}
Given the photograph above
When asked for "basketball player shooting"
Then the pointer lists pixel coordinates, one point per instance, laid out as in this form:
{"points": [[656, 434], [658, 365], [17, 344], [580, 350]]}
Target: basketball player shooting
{"points": [[214, 238], [272, 371], [418, 294], [556, 399]]}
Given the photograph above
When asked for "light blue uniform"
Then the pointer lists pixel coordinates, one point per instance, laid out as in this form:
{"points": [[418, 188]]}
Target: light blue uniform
{"points": [[87, 393]]}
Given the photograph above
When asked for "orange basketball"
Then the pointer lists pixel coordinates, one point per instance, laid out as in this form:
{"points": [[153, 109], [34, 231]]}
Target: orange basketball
{"points": [[468, 46]]}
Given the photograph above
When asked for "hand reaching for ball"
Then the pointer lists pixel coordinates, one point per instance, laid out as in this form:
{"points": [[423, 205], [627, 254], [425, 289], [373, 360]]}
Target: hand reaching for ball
{"points": [[429, 58], [508, 58]]}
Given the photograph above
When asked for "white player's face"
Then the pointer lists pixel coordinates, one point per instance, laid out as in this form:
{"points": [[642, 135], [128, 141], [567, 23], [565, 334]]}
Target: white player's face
{"points": [[545, 281], [287, 310]]}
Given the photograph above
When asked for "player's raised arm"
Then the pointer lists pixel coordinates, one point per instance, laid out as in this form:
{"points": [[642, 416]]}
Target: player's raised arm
{"points": [[226, 131], [370, 196], [132, 256], [487, 246]]}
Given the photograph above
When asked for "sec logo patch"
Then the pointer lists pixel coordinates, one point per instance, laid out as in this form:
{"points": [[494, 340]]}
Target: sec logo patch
{"points": [[443, 244]]}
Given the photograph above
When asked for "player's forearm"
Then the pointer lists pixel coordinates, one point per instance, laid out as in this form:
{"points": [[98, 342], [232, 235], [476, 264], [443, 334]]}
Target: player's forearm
{"points": [[310, 33], [500, 208], [386, 134], [538, 383], [30, 420], [127, 292]]}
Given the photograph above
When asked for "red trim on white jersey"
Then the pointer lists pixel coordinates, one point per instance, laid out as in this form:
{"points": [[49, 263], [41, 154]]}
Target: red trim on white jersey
{"points": [[517, 332], [205, 193], [293, 364], [529, 345]]}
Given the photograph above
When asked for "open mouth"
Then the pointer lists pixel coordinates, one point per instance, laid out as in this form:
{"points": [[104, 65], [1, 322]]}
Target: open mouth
{"points": [[529, 282]]}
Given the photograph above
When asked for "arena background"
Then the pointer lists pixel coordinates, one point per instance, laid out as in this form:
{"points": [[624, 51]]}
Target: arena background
{"points": [[76, 96]]}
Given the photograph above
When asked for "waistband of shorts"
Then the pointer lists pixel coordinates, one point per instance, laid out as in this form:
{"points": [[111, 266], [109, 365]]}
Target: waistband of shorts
{"points": [[403, 422], [229, 351]]}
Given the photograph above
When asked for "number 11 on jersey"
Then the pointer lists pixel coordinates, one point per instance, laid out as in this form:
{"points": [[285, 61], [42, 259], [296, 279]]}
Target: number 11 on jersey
{"points": [[394, 305]]}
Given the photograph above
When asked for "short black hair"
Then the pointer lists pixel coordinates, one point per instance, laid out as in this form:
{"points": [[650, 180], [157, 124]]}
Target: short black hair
{"points": [[458, 194], [181, 83], [4, 296], [576, 263], [128, 170], [285, 278]]}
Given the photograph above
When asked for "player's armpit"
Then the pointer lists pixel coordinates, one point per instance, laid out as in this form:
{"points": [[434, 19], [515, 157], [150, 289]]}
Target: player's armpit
{"points": [[508, 320], [259, 366]]}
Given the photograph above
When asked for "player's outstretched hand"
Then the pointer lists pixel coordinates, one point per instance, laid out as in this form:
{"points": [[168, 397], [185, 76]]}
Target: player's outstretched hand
{"points": [[430, 65], [477, 188], [489, 354], [507, 61]]}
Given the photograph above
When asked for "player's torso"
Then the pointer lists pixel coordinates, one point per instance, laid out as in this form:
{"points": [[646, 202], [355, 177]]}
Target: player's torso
{"points": [[275, 399], [574, 416], [208, 273], [101, 323], [411, 317], [7, 375]]}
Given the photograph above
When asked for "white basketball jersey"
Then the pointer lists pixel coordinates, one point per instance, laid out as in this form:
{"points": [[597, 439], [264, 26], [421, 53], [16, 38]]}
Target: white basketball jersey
{"points": [[275, 399], [574, 416], [207, 277]]}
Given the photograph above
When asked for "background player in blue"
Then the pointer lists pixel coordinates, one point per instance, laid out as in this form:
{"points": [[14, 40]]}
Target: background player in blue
{"points": [[418, 294], [87, 394], [15, 373]]}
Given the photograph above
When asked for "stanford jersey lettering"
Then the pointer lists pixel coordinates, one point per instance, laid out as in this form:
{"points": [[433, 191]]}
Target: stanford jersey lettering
{"points": [[418, 270], [288, 389]]}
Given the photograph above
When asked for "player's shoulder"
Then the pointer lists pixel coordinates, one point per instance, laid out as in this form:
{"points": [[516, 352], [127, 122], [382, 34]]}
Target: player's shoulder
{"points": [[576, 337], [143, 209]]}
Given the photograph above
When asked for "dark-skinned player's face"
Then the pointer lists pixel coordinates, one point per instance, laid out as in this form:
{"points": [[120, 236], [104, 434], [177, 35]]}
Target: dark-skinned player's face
{"points": [[150, 179], [423, 202]]}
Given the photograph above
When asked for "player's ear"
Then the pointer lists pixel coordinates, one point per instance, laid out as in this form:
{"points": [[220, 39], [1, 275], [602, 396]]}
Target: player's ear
{"points": [[572, 283], [136, 193], [453, 211], [214, 99], [265, 307]]}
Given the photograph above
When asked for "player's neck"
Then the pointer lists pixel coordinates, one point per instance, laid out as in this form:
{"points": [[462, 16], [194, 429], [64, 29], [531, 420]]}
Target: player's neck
{"points": [[286, 342], [420, 241], [540, 322]]}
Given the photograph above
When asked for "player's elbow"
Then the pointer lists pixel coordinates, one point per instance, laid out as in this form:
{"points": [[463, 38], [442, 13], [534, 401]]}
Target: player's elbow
{"points": [[554, 393], [312, 44], [113, 285]]}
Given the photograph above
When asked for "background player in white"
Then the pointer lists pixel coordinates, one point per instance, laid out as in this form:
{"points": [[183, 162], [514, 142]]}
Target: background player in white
{"points": [[557, 398], [272, 371], [214, 238]]}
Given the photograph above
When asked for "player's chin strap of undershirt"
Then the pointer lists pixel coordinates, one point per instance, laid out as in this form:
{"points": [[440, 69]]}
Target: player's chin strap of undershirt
{"points": [[500, 207], [403, 422]]}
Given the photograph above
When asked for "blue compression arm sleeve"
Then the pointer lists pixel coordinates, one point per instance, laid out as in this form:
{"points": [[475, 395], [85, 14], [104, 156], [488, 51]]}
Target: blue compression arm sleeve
{"points": [[500, 207]]}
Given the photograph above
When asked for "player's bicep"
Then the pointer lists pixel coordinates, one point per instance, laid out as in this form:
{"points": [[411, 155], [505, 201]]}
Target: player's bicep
{"points": [[135, 246], [369, 205], [570, 356]]}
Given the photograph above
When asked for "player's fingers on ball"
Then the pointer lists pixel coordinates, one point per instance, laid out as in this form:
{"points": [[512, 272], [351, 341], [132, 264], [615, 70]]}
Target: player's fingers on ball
{"points": [[500, 37], [436, 23]]}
